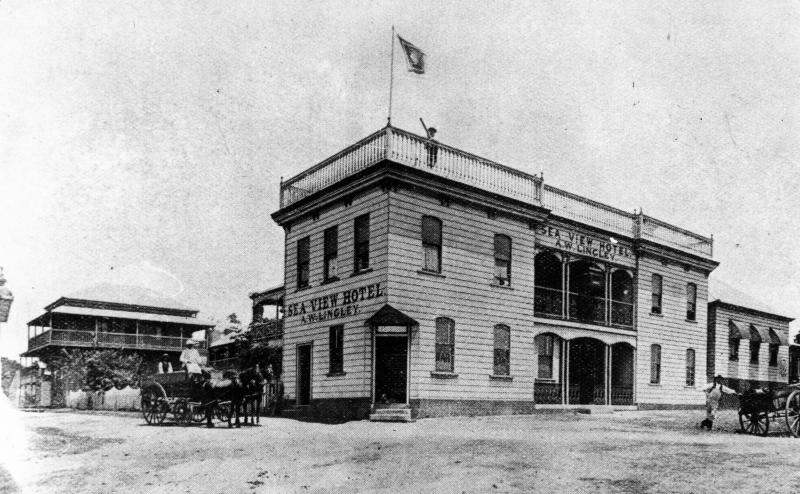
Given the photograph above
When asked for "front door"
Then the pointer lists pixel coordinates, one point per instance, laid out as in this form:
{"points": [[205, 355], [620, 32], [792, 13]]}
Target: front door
{"points": [[391, 362], [304, 374]]}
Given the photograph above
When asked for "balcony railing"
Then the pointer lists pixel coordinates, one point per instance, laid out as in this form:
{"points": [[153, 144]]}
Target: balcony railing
{"points": [[267, 330], [68, 337], [547, 302], [621, 313], [582, 308], [588, 309], [439, 159]]}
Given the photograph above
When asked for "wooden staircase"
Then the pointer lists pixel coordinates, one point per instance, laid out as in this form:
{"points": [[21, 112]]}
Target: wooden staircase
{"points": [[395, 412]]}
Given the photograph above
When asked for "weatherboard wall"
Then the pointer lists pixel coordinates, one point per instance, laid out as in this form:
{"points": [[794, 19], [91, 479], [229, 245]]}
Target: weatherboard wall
{"points": [[672, 331], [742, 369], [356, 380], [466, 292]]}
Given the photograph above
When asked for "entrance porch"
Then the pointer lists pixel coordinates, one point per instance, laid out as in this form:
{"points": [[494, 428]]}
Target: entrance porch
{"points": [[583, 371]]}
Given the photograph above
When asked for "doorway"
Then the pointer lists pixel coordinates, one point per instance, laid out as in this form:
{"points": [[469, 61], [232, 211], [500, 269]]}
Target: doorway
{"points": [[303, 375], [391, 369], [587, 377]]}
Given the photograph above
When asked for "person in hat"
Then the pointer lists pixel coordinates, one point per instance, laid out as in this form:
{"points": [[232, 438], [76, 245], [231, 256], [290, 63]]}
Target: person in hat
{"points": [[190, 358], [431, 147], [165, 365], [714, 392]]}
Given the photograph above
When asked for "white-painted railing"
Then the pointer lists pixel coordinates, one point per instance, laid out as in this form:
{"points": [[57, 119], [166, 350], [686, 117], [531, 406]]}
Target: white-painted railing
{"points": [[664, 233], [574, 207], [433, 157], [417, 152]]}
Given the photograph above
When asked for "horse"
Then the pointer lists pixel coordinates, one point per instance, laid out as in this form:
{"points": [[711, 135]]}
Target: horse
{"points": [[215, 390], [252, 381]]}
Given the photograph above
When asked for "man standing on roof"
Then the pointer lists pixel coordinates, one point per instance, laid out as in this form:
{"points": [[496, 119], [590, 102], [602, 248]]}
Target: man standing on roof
{"points": [[190, 358], [433, 149]]}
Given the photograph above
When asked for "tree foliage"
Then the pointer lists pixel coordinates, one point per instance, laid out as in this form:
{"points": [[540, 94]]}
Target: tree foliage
{"points": [[251, 348], [100, 369]]}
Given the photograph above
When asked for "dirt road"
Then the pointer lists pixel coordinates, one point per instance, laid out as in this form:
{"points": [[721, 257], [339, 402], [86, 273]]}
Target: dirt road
{"points": [[620, 452]]}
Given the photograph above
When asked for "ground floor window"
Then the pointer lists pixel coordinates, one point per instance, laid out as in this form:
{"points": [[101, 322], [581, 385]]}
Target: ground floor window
{"points": [[655, 364], [336, 346], [502, 350], [445, 344], [545, 344], [690, 367], [755, 348], [733, 349], [773, 355]]}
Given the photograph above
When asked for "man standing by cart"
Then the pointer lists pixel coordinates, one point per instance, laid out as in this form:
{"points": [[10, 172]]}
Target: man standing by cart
{"points": [[714, 392]]}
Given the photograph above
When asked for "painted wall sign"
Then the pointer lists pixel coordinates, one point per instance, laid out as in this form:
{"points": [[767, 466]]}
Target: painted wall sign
{"points": [[579, 243], [335, 305]]}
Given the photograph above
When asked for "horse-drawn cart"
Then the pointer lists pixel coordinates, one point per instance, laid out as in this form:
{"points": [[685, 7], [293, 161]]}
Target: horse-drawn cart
{"points": [[758, 407], [183, 397]]}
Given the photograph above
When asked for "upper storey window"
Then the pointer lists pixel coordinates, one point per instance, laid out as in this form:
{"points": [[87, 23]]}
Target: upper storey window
{"points": [[656, 294], [548, 284], [691, 301], [361, 243], [330, 264], [303, 256], [432, 244], [502, 259]]}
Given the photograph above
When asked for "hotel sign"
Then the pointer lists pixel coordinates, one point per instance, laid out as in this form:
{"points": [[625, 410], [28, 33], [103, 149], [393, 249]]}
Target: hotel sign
{"points": [[579, 243], [336, 305]]}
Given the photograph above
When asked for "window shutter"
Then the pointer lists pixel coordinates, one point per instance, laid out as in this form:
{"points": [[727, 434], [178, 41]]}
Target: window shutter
{"points": [[431, 230]]}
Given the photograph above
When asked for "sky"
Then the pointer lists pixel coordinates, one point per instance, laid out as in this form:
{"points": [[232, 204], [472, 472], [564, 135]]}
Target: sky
{"points": [[146, 141]]}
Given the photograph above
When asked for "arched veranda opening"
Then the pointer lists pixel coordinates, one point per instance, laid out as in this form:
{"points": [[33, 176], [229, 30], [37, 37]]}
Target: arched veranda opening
{"points": [[583, 371]]}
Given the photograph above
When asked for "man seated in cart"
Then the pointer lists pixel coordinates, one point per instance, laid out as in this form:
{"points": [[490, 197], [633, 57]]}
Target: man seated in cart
{"points": [[164, 366], [714, 393], [191, 360]]}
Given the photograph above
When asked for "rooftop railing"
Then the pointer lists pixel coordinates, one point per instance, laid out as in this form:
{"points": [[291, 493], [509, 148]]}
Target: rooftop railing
{"points": [[439, 159], [417, 152]]}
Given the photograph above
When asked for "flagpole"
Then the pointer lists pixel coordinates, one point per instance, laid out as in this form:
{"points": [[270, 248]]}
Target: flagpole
{"points": [[391, 80]]}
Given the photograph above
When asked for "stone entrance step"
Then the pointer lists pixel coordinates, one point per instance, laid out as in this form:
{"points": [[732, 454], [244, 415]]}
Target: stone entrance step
{"points": [[392, 414]]}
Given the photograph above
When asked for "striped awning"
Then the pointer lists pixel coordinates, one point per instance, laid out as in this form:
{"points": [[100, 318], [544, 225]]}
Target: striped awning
{"points": [[759, 333], [778, 337], [738, 330]]}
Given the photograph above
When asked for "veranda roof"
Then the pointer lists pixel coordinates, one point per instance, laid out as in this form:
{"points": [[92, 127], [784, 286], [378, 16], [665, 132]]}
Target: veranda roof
{"points": [[121, 314]]}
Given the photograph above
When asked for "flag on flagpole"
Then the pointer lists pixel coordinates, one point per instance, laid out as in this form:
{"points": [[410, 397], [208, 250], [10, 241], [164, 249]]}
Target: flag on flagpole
{"points": [[415, 57]]}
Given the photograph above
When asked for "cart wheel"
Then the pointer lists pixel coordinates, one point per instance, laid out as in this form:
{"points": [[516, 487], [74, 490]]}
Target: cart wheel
{"points": [[756, 423], [182, 412], [793, 413], [154, 405]]}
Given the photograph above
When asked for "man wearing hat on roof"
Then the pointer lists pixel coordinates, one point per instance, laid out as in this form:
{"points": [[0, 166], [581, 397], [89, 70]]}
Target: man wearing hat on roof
{"points": [[165, 365], [190, 358]]}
